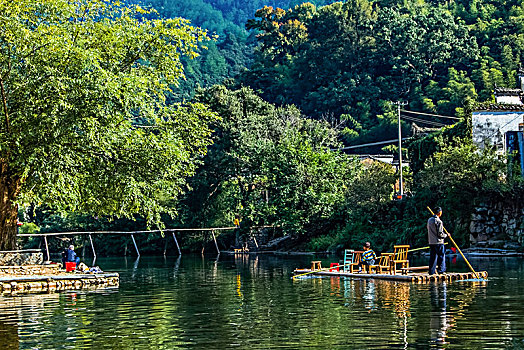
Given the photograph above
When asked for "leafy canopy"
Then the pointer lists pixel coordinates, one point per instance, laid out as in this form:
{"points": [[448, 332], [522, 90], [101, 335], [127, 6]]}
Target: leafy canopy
{"points": [[84, 121], [269, 164]]}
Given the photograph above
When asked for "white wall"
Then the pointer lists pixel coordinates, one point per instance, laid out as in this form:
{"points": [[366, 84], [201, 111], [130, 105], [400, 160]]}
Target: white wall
{"points": [[512, 100], [489, 128]]}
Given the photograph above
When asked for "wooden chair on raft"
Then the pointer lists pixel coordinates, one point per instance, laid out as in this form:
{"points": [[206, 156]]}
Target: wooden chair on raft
{"points": [[400, 257], [357, 258], [384, 264], [348, 259]]}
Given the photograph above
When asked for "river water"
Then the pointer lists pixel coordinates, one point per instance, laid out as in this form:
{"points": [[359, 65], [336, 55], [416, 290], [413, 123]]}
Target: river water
{"points": [[251, 302]]}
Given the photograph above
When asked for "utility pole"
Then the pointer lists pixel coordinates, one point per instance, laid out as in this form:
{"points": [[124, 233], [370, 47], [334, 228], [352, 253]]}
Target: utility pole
{"points": [[399, 104]]}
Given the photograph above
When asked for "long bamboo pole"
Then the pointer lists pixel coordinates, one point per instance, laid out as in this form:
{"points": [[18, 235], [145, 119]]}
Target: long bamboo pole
{"points": [[324, 269], [422, 248], [456, 246]]}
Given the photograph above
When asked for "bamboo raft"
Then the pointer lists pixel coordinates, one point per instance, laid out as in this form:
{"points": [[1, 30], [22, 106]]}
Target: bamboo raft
{"points": [[11, 285], [411, 277]]}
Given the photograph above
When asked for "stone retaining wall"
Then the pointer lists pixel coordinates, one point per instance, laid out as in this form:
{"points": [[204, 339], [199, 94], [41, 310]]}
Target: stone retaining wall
{"points": [[21, 257], [498, 223]]}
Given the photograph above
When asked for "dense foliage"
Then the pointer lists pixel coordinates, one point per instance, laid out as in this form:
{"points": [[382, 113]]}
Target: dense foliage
{"points": [[345, 60], [270, 165], [455, 177], [231, 51], [84, 121]]}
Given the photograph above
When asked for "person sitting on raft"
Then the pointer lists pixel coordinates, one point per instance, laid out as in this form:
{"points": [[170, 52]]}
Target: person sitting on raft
{"points": [[369, 256], [70, 256]]}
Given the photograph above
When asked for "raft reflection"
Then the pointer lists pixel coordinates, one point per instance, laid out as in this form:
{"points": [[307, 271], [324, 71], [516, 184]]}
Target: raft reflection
{"points": [[376, 295]]}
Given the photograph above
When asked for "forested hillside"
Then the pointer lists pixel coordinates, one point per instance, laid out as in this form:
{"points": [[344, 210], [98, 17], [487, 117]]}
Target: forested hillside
{"points": [[343, 62], [232, 52], [346, 60]]}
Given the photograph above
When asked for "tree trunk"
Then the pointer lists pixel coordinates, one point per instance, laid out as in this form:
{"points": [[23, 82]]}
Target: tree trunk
{"points": [[9, 190]]}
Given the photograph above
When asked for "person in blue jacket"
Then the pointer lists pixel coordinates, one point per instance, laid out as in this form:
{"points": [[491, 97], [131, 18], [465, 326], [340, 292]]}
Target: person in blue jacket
{"points": [[70, 256]]}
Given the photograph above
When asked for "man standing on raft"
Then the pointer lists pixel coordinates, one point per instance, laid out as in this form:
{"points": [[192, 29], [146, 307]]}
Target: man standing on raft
{"points": [[436, 235]]}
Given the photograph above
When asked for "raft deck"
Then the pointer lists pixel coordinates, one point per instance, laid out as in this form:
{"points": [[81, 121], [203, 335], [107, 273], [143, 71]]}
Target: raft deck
{"points": [[49, 284], [410, 277]]}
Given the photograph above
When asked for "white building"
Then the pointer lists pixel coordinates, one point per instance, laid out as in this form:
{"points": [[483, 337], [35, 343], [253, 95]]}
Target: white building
{"points": [[491, 122]]}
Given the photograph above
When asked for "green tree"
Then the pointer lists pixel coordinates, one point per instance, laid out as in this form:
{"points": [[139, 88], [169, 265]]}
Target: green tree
{"points": [[84, 121], [415, 47], [269, 164]]}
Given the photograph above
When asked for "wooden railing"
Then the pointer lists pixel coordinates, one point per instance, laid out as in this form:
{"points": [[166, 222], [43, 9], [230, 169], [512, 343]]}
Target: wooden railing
{"points": [[132, 233]]}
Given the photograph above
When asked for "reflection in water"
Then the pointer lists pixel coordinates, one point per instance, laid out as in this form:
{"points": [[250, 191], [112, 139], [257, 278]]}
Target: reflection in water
{"points": [[335, 286], [247, 301], [376, 295], [8, 336], [177, 265], [239, 287], [438, 322], [368, 294]]}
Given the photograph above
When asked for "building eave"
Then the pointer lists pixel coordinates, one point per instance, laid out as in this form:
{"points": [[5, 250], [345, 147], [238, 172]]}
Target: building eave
{"points": [[498, 107]]}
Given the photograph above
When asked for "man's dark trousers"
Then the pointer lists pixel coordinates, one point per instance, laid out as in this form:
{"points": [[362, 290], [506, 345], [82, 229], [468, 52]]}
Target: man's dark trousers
{"points": [[437, 256]]}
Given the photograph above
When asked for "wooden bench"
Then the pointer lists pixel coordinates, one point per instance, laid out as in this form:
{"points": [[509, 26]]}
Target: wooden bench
{"points": [[406, 270]]}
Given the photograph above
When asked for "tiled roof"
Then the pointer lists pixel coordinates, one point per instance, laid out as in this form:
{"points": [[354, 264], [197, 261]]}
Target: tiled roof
{"points": [[497, 107], [503, 91]]}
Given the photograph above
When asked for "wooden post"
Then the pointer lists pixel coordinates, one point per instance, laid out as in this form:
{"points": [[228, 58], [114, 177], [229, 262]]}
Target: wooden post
{"points": [[176, 242], [93, 248], [47, 249], [215, 239], [134, 242]]}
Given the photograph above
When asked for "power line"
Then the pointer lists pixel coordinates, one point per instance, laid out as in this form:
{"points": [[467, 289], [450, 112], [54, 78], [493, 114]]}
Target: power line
{"points": [[438, 125], [431, 115], [423, 121], [370, 144]]}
